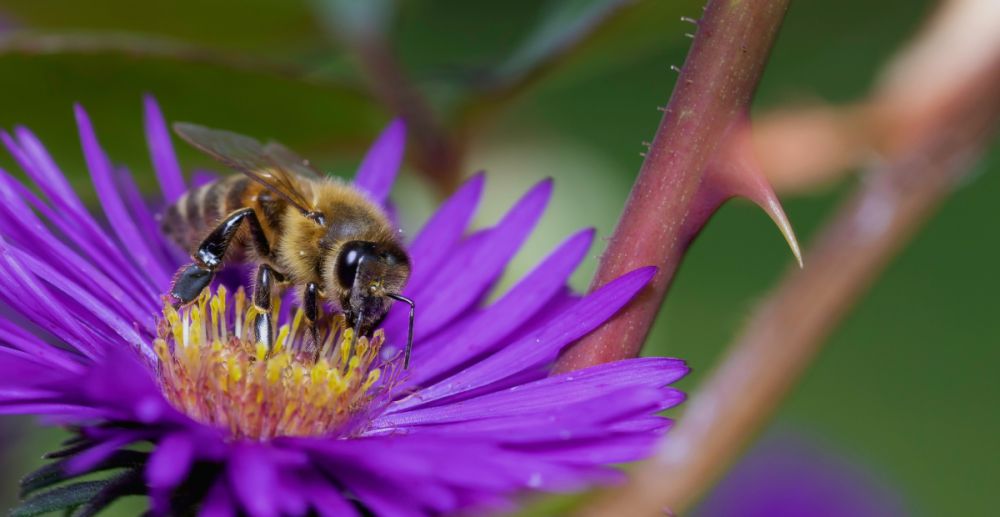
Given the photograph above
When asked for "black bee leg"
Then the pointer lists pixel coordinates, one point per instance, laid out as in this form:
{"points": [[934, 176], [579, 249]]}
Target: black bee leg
{"points": [[189, 282], [192, 279], [263, 324], [311, 304]]}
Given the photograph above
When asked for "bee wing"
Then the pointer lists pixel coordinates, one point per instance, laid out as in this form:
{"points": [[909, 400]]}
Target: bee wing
{"points": [[291, 161], [249, 157]]}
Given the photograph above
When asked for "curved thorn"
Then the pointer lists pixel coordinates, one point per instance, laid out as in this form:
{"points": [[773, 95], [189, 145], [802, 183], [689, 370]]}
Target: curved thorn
{"points": [[735, 172]]}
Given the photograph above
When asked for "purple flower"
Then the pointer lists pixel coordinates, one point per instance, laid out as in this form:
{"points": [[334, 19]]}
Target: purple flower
{"points": [[475, 421], [788, 474]]}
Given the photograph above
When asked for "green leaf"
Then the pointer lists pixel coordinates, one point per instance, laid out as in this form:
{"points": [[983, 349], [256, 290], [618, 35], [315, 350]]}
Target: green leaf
{"points": [[260, 27], [54, 473], [128, 483], [566, 24], [351, 18], [325, 122], [60, 498]]}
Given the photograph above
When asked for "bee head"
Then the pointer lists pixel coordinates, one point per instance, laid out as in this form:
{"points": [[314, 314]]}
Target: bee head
{"points": [[366, 273]]}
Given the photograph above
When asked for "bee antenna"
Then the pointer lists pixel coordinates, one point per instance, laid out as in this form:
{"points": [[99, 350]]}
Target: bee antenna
{"points": [[409, 335]]}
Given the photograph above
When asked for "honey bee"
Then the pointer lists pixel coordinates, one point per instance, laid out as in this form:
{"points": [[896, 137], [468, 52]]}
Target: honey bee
{"points": [[300, 226]]}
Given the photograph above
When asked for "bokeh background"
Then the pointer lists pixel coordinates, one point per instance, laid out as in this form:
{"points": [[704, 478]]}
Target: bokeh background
{"points": [[907, 389]]}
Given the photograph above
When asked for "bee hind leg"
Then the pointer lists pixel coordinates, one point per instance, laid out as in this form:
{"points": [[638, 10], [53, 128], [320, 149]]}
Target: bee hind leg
{"points": [[310, 304], [267, 280], [193, 278]]}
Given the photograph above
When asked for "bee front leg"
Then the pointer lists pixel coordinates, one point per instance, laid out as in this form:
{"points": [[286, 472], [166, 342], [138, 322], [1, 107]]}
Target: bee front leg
{"points": [[193, 278], [263, 325], [311, 304]]}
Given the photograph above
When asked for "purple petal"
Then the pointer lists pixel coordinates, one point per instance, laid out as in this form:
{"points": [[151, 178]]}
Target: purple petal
{"points": [[325, 500], [41, 242], [21, 289], [406, 466], [253, 476], [98, 310], [219, 501], [74, 221], [168, 465], [165, 252], [87, 460], [443, 231], [504, 316], [552, 392], [31, 348], [19, 223], [161, 151], [170, 462], [124, 226], [641, 424], [590, 418], [475, 265], [29, 153], [404, 488], [379, 167], [789, 473], [601, 450], [543, 344]]}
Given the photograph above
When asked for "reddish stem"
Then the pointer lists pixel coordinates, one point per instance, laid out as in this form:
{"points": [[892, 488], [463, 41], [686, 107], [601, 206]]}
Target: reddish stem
{"points": [[788, 329], [713, 93]]}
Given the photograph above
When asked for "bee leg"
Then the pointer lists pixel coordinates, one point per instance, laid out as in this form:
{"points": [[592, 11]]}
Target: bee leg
{"points": [[189, 282], [263, 324], [311, 304], [192, 279]]}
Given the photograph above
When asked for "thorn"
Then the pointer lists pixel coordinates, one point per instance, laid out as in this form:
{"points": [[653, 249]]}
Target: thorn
{"points": [[735, 172], [646, 144], [689, 20], [642, 154], [661, 108], [690, 35], [675, 68]]}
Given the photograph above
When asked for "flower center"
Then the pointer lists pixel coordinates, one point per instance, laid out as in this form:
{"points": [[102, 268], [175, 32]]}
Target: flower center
{"points": [[215, 371]]}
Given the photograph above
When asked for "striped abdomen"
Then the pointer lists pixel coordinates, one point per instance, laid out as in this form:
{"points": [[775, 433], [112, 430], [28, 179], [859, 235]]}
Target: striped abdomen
{"points": [[200, 210]]}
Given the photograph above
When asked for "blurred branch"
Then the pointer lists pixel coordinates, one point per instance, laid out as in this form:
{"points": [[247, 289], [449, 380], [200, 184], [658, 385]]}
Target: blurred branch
{"points": [[805, 148], [788, 329], [708, 111], [142, 46], [438, 153], [567, 27], [361, 27]]}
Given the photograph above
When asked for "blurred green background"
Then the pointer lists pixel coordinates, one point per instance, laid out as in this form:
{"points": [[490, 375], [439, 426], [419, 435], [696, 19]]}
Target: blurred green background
{"points": [[907, 385]]}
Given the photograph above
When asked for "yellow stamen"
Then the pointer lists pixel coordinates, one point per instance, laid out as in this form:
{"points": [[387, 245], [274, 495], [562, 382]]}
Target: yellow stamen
{"points": [[215, 373]]}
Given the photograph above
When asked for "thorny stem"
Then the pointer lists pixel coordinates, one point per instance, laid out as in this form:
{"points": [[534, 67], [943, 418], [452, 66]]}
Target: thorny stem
{"points": [[788, 329], [712, 94]]}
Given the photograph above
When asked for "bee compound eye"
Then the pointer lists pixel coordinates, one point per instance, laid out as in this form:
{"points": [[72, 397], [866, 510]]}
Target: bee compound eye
{"points": [[351, 255]]}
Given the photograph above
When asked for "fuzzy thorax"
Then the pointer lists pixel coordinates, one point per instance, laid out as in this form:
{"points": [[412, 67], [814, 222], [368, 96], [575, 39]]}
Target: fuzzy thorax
{"points": [[212, 369]]}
